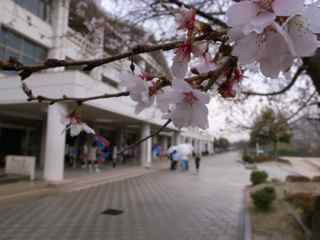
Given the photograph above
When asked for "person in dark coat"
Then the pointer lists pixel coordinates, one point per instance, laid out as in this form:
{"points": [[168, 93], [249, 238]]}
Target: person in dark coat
{"points": [[197, 161]]}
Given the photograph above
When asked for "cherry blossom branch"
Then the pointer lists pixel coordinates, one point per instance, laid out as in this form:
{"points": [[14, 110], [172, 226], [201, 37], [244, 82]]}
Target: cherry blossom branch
{"points": [[88, 65], [146, 138], [213, 76], [65, 98], [288, 87], [161, 83], [304, 105], [205, 15]]}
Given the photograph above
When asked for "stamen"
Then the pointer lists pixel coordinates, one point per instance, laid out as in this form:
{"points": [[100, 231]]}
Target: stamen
{"points": [[189, 98]]}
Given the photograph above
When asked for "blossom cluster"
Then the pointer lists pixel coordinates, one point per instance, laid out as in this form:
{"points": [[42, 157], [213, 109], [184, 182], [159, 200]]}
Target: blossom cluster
{"points": [[270, 33], [273, 33], [183, 101]]}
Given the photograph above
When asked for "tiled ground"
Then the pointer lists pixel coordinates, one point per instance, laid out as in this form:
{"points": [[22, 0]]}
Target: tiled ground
{"points": [[164, 205]]}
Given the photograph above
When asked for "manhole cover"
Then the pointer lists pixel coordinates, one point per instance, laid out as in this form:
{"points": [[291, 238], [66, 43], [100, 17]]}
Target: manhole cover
{"points": [[113, 212]]}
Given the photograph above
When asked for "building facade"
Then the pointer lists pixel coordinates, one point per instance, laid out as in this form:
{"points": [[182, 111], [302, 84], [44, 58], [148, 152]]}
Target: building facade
{"points": [[34, 30]]}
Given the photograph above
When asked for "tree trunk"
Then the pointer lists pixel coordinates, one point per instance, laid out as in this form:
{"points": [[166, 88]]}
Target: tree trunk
{"points": [[313, 69], [316, 220], [275, 150]]}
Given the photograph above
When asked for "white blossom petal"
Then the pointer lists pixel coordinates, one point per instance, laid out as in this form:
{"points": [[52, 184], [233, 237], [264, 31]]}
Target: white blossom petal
{"points": [[241, 13], [182, 115], [247, 49], [167, 97], [202, 97], [288, 7], [236, 33], [259, 23], [179, 67], [200, 116], [273, 62], [312, 14], [305, 42]]}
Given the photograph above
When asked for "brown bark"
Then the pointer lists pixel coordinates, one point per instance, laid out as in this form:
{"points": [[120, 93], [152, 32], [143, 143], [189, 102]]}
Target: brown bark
{"points": [[313, 69], [316, 220]]}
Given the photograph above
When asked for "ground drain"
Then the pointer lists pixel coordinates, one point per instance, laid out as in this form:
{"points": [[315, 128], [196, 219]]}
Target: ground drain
{"points": [[113, 212]]}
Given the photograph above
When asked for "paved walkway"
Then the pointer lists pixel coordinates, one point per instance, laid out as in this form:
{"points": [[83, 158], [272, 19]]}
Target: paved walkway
{"points": [[163, 205]]}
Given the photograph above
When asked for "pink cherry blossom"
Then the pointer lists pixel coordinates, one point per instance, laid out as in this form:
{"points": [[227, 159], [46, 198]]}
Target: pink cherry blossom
{"points": [[205, 64], [258, 48], [256, 15], [139, 87], [186, 106], [183, 56], [230, 87], [293, 36], [186, 19]]}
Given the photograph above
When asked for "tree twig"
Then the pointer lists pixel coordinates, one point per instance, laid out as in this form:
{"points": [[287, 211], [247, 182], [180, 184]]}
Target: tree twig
{"points": [[286, 88], [146, 138], [27, 70], [161, 83], [205, 15], [41, 98]]}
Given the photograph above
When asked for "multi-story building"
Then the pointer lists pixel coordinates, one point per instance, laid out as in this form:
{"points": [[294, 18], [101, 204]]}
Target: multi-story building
{"points": [[34, 30]]}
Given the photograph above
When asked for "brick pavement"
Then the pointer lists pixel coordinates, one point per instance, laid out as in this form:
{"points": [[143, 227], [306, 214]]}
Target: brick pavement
{"points": [[163, 205]]}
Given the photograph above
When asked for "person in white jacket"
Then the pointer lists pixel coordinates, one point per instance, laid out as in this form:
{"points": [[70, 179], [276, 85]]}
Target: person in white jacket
{"points": [[92, 157]]}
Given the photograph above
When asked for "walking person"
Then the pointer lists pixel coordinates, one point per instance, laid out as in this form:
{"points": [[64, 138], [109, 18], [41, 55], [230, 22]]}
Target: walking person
{"points": [[73, 155], [173, 159], [197, 161], [114, 156], [92, 157], [85, 155]]}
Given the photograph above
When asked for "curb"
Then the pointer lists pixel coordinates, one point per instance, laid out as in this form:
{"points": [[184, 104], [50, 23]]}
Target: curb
{"points": [[247, 226]]}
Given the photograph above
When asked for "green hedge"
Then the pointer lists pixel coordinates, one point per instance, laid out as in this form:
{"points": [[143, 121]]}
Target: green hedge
{"points": [[264, 198], [258, 177]]}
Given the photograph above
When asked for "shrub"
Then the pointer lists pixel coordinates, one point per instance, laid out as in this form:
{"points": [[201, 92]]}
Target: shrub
{"points": [[258, 177], [247, 158], [263, 198]]}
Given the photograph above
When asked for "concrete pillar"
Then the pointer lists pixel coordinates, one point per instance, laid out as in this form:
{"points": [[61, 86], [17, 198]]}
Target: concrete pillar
{"points": [[146, 146], [165, 143], [175, 138], [55, 144], [43, 141], [60, 21], [121, 140]]}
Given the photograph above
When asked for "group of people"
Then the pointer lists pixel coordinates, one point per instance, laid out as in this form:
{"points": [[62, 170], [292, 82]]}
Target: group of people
{"points": [[88, 154], [182, 160], [91, 156]]}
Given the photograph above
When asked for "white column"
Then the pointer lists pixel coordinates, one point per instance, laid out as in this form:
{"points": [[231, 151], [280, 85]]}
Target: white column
{"points": [[43, 141], [146, 146], [176, 138], [55, 144], [165, 143], [60, 21]]}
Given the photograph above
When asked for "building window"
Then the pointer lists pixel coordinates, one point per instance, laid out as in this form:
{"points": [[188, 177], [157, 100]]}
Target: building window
{"points": [[110, 82], [40, 8], [16, 46]]}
